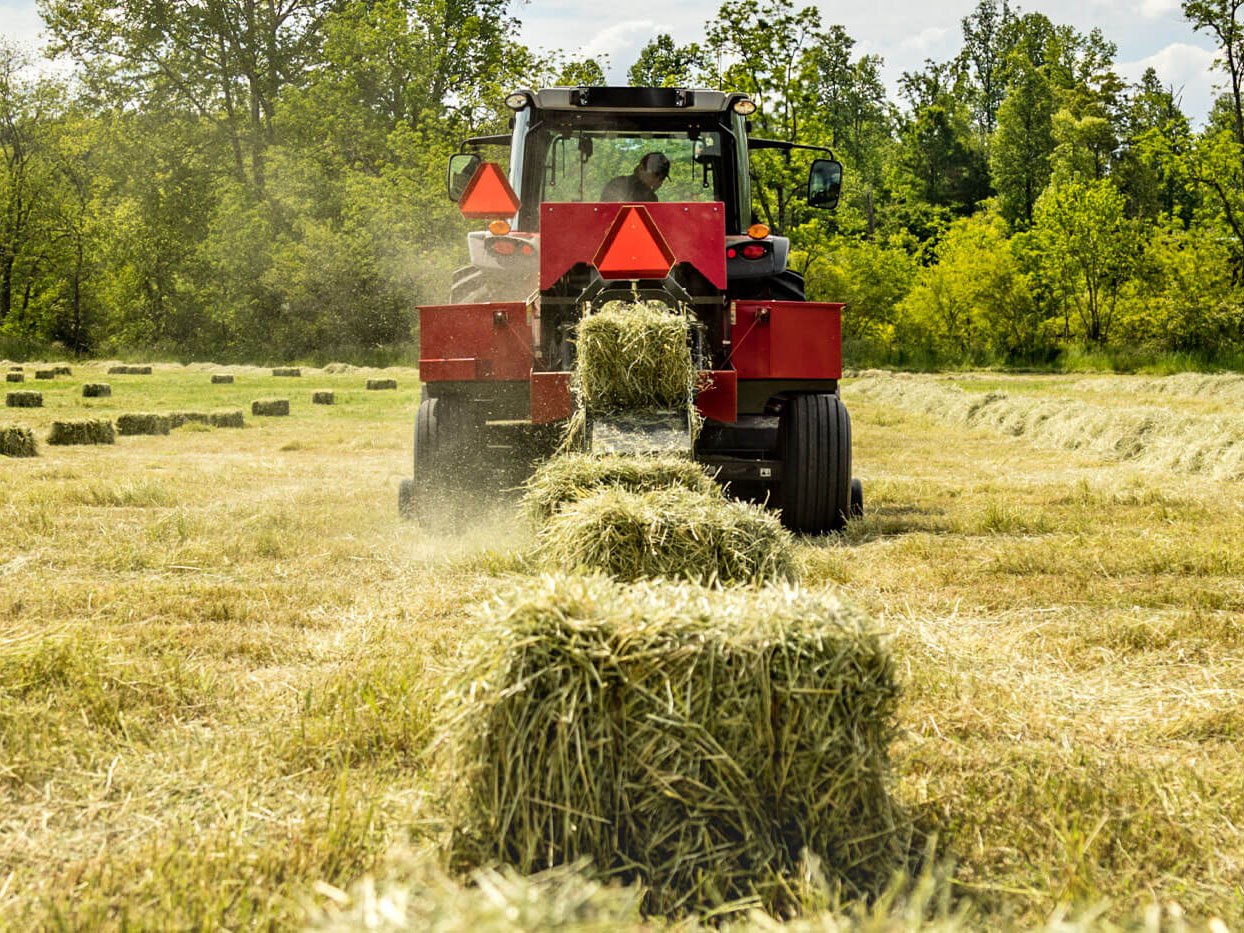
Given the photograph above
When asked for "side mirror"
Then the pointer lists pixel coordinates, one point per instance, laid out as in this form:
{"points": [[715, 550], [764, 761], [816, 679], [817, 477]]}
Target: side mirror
{"points": [[824, 183], [461, 170]]}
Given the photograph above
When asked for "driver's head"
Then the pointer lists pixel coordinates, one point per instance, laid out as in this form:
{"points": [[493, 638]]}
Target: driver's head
{"points": [[653, 169]]}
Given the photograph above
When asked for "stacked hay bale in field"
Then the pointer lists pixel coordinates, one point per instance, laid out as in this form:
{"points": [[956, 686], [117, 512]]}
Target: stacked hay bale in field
{"points": [[177, 419], [45, 374], [227, 419], [24, 399], [138, 423], [287, 371], [96, 390], [572, 477], [322, 397], [219, 379], [377, 384], [17, 441], [126, 370], [270, 407], [91, 431], [703, 742], [62, 370], [14, 377]]}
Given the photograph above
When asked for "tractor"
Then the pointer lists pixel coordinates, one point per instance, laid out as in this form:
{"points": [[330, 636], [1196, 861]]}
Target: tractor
{"points": [[496, 362]]}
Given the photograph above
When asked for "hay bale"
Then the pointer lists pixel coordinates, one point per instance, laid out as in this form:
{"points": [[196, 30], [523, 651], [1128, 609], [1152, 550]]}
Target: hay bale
{"points": [[270, 407], [24, 399], [699, 741], [62, 370], [634, 357], [571, 477], [227, 419], [129, 370], [15, 369], [222, 379], [288, 371], [674, 533], [96, 390], [378, 384], [17, 441], [177, 419], [45, 374], [137, 423], [92, 431], [14, 377], [322, 397]]}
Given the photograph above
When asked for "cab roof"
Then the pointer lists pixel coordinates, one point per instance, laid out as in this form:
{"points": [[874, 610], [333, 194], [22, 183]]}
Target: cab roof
{"points": [[659, 99]]}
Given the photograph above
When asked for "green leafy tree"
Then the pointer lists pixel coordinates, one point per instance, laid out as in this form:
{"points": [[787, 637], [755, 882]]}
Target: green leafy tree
{"points": [[1020, 156], [663, 63], [1224, 20]]}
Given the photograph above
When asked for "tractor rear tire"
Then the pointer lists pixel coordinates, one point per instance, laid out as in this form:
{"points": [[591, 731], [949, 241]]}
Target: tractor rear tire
{"points": [[814, 444], [447, 459]]}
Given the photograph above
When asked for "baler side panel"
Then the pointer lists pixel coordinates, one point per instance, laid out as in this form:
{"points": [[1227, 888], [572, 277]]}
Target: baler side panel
{"points": [[787, 340], [474, 342]]}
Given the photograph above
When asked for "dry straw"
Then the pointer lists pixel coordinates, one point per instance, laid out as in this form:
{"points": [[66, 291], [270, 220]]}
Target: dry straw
{"points": [[375, 384], [270, 407], [96, 390], [571, 477], [222, 379], [16, 441], [24, 399], [137, 423], [227, 419], [674, 532], [322, 397], [92, 431], [699, 741], [289, 371], [14, 377], [634, 357]]}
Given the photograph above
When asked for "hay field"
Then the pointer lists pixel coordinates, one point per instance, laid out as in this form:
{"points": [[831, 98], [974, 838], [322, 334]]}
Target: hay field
{"points": [[220, 652]]}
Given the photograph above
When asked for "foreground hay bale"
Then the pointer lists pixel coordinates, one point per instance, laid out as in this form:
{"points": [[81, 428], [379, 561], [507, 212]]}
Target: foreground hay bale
{"points": [[45, 374], [377, 384], [288, 371], [14, 377], [270, 407], [92, 431], [634, 357], [674, 533], [96, 390], [696, 740], [219, 379], [137, 423], [17, 441], [24, 399], [227, 419], [129, 370], [572, 477], [323, 397]]}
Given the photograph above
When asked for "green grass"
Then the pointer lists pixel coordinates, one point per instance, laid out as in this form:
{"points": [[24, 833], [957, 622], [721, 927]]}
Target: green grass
{"points": [[220, 651]]}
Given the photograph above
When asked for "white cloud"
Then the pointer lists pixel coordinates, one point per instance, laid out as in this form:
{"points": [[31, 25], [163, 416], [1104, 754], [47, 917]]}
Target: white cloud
{"points": [[1153, 9], [622, 42], [20, 23], [1188, 68], [925, 39]]}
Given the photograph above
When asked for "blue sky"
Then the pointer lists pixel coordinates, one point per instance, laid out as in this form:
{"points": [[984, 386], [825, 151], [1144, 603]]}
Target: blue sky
{"points": [[1147, 32]]}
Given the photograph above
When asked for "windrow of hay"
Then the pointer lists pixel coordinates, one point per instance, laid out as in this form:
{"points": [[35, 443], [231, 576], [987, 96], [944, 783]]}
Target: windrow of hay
{"points": [[24, 399], [129, 370], [376, 384], [90, 431], [14, 377], [232, 418], [571, 477], [1227, 387], [634, 357], [96, 390], [700, 741], [17, 441], [322, 397], [136, 423], [675, 532], [287, 371], [1154, 437], [270, 407], [222, 379]]}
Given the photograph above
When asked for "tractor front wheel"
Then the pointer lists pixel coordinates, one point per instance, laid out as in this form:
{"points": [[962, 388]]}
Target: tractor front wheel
{"points": [[814, 444]]}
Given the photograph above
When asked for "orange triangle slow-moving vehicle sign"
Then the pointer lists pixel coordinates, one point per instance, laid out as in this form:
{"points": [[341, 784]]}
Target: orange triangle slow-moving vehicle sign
{"points": [[633, 248], [488, 194]]}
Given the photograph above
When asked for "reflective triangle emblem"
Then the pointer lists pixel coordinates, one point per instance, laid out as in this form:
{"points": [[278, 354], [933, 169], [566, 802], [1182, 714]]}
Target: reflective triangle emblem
{"points": [[633, 248], [488, 194]]}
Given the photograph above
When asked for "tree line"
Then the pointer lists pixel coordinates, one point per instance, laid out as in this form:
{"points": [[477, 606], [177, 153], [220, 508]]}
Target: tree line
{"points": [[264, 179]]}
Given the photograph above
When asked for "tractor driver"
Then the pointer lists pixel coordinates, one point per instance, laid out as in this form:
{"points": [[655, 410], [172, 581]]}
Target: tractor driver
{"points": [[641, 184]]}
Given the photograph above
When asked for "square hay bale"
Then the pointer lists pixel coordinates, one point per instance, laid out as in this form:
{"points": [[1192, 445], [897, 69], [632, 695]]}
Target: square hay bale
{"points": [[129, 370], [136, 423], [634, 357], [227, 419], [178, 418], [24, 399], [322, 397], [90, 431], [96, 390], [378, 384], [45, 374], [571, 477], [17, 441], [14, 377], [673, 533], [270, 407], [222, 379], [698, 741], [15, 369], [288, 371], [62, 370]]}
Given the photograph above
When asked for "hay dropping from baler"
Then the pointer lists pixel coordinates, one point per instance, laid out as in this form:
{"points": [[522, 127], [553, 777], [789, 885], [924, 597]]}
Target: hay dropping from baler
{"points": [[704, 742], [634, 357]]}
